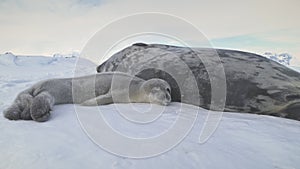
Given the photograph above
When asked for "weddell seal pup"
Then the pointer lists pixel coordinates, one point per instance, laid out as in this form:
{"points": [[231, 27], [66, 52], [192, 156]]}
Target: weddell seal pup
{"points": [[36, 102], [254, 84]]}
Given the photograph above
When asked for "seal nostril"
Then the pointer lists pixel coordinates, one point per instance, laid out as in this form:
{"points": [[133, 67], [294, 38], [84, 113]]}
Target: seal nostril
{"points": [[168, 97], [168, 90]]}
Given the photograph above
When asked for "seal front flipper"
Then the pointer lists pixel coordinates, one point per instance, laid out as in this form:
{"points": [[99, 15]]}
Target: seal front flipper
{"points": [[100, 100], [41, 106]]}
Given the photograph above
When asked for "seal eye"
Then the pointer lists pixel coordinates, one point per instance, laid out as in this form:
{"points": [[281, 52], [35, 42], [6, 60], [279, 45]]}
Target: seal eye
{"points": [[168, 90]]}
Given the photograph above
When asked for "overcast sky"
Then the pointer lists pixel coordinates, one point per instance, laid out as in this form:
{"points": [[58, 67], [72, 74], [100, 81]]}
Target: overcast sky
{"points": [[46, 27]]}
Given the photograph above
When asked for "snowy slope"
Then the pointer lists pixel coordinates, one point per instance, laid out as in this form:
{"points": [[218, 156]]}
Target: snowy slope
{"points": [[240, 141]]}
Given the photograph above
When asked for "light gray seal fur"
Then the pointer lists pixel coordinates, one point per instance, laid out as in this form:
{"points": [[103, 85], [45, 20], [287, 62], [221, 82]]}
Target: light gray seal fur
{"points": [[36, 102], [255, 84]]}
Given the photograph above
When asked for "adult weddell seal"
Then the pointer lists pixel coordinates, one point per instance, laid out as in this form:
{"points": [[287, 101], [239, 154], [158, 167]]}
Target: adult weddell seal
{"points": [[36, 102], [254, 84]]}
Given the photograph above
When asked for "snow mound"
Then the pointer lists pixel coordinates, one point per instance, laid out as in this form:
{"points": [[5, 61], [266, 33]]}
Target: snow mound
{"points": [[10, 59], [7, 59], [22, 71], [240, 141]]}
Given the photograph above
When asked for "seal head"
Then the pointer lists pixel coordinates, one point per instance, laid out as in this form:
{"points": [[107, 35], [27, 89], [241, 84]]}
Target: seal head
{"points": [[157, 91]]}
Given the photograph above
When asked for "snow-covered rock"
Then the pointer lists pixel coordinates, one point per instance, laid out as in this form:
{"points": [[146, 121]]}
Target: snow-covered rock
{"points": [[283, 58]]}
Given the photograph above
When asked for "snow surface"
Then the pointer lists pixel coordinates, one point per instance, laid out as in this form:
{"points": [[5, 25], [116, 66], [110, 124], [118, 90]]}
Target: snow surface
{"points": [[240, 141]]}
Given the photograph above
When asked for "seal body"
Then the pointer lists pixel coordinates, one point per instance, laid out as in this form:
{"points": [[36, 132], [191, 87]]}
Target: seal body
{"points": [[99, 89], [254, 84]]}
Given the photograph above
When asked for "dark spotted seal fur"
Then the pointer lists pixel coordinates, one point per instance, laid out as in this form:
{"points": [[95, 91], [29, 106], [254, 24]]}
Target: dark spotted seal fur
{"points": [[254, 83]]}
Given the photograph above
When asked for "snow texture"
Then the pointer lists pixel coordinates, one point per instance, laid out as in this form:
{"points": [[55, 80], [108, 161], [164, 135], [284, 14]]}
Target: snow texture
{"points": [[240, 141]]}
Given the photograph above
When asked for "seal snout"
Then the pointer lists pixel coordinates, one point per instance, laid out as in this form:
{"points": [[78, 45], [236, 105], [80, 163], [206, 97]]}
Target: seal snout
{"points": [[167, 99], [159, 91]]}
